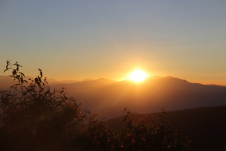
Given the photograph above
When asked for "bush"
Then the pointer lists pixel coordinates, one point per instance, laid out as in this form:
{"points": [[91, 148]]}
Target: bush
{"points": [[32, 117]]}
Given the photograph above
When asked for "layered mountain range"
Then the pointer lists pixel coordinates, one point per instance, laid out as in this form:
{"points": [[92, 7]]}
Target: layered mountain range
{"points": [[109, 98]]}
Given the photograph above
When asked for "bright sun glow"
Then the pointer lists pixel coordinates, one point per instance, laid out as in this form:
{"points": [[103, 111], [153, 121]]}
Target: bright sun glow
{"points": [[137, 76]]}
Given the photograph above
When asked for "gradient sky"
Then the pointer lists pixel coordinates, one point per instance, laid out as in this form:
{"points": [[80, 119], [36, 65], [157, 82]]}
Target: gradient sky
{"points": [[92, 39]]}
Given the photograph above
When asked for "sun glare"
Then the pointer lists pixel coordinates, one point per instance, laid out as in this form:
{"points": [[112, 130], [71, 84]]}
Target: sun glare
{"points": [[138, 76]]}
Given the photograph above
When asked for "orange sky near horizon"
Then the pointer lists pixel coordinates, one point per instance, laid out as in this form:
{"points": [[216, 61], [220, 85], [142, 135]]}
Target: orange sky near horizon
{"points": [[74, 40]]}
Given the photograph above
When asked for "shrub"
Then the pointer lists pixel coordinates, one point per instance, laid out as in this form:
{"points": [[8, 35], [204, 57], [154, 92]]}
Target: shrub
{"points": [[32, 117]]}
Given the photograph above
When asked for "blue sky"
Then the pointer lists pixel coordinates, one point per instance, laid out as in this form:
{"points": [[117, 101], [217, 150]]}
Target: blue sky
{"points": [[94, 39]]}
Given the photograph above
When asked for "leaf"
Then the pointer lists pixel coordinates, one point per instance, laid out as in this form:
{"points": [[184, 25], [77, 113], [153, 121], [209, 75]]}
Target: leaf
{"points": [[22, 81], [5, 70], [22, 74], [14, 72], [40, 80], [36, 80], [39, 84], [40, 72]]}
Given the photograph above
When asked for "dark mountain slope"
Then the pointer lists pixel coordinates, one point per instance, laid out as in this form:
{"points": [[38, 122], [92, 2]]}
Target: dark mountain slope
{"points": [[206, 127]]}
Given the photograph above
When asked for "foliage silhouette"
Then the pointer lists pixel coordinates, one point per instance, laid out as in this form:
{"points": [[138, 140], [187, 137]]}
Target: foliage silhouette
{"points": [[32, 117]]}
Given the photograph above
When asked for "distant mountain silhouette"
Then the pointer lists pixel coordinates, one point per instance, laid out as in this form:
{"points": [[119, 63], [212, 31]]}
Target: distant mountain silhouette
{"points": [[109, 98], [87, 79]]}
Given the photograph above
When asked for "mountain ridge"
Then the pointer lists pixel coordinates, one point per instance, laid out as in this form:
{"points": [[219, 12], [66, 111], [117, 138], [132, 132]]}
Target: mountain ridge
{"points": [[109, 97]]}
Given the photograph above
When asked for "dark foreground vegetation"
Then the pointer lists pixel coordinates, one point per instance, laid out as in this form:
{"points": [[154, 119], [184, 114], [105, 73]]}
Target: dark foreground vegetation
{"points": [[33, 117], [206, 126]]}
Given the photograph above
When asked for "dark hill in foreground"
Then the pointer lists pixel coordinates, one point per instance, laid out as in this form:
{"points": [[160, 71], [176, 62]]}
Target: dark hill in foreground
{"points": [[206, 127]]}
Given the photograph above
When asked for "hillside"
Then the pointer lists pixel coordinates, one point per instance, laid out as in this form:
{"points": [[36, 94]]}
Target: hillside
{"points": [[204, 126]]}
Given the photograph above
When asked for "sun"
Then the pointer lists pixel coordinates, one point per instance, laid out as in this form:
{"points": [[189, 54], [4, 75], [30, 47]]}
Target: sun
{"points": [[138, 76]]}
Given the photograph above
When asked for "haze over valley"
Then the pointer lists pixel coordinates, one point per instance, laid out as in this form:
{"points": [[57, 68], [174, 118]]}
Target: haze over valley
{"points": [[108, 98]]}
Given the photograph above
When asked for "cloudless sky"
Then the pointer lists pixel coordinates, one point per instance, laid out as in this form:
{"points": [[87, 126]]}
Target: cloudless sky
{"points": [[93, 39]]}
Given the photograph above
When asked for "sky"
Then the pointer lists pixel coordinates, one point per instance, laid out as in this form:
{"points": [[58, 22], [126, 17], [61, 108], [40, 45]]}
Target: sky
{"points": [[108, 39]]}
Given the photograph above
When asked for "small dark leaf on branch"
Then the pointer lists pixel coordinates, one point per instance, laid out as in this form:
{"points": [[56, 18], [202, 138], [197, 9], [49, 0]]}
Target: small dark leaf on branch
{"points": [[39, 84], [39, 79], [5, 70], [14, 72], [22, 81], [18, 77], [40, 72], [36, 80], [22, 74]]}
